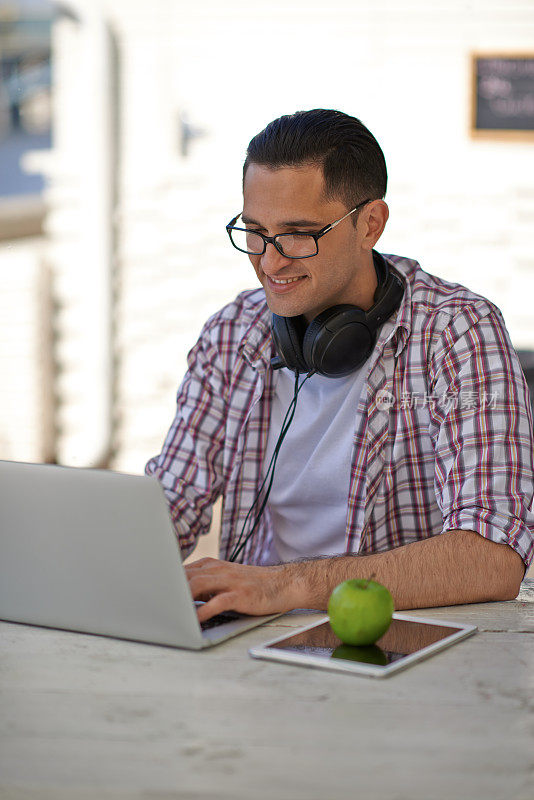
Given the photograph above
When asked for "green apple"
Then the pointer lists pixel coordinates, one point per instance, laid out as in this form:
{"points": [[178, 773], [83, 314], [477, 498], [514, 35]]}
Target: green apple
{"points": [[370, 654], [360, 611]]}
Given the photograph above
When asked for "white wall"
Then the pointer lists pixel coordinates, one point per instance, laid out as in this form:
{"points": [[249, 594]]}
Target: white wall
{"points": [[464, 208], [25, 401]]}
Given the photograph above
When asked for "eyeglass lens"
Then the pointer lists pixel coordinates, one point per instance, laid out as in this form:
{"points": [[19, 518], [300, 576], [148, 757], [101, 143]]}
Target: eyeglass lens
{"points": [[293, 245]]}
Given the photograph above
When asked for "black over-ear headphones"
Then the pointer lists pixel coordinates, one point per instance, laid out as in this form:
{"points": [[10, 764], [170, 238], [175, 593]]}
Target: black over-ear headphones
{"points": [[340, 338]]}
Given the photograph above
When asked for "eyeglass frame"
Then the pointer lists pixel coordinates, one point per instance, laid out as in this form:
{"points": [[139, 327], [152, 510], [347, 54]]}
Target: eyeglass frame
{"points": [[272, 239]]}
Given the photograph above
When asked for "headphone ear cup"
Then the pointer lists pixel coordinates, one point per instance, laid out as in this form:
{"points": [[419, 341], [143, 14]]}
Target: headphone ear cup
{"points": [[338, 341], [340, 338], [288, 333]]}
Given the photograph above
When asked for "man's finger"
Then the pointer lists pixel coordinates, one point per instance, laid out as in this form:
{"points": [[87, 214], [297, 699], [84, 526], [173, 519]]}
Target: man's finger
{"points": [[200, 564], [218, 604], [202, 585]]}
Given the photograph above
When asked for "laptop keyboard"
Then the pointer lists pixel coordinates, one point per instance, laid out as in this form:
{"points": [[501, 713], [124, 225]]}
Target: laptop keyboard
{"points": [[219, 619]]}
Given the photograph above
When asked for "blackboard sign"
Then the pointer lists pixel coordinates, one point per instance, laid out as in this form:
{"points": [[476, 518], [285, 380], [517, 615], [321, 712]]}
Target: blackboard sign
{"points": [[503, 95]]}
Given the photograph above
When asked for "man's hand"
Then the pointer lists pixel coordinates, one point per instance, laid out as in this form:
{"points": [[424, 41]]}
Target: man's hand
{"points": [[248, 589]]}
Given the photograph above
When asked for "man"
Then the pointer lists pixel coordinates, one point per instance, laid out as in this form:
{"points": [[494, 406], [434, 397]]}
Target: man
{"points": [[414, 464]]}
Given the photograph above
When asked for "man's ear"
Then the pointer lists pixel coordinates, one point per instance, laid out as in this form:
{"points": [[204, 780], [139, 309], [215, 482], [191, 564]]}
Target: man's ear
{"points": [[373, 221]]}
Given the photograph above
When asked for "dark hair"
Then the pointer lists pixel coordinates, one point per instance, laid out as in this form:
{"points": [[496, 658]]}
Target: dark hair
{"points": [[353, 163]]}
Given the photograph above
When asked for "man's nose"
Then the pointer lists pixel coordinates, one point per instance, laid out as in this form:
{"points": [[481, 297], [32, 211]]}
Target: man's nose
{"points": [[272, 260]]}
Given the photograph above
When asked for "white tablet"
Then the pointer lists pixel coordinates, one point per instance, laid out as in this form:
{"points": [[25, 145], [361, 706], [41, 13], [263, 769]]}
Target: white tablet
{"points": [[408, 640]]}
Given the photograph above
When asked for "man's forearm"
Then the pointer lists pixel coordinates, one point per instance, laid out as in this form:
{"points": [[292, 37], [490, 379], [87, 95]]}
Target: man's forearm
{"points": [[454, 567]]}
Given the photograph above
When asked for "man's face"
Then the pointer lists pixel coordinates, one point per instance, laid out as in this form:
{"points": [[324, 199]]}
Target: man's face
{"points": [[292, 199]]}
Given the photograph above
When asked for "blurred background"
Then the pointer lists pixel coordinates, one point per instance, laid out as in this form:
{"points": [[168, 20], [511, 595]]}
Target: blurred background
{"points": [[123, 128]]}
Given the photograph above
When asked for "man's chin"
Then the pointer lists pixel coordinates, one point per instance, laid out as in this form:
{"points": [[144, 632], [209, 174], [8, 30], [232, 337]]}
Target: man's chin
{"points": [[284, 308], [290, 309]]}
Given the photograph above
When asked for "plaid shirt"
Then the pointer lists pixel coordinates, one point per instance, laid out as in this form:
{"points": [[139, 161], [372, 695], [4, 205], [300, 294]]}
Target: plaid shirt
{"points": [[443, 435]]}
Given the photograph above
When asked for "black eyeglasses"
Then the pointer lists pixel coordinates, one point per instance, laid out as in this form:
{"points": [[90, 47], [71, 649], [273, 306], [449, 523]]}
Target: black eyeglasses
{"points": [[291, 245]]}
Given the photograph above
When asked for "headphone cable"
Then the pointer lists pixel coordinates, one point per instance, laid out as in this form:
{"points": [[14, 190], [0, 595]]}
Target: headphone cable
{"points": [[269, 475]]}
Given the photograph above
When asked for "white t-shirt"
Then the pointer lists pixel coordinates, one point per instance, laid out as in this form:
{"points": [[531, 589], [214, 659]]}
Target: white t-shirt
{"points": [[308, 499]]}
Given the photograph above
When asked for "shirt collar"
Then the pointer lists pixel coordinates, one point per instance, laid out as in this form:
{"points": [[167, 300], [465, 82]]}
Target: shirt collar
{"points": [[256, 345], [402, 317]]}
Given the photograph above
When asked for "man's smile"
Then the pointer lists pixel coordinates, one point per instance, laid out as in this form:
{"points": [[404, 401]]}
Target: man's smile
{"points": [[280, 286], [282, 281]]}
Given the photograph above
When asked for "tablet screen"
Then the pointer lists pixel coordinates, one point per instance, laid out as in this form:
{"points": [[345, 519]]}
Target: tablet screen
{"points": [[402, 639]]}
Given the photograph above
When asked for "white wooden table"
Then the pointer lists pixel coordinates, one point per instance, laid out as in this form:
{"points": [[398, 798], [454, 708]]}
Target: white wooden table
{"points": [[91, 717]]}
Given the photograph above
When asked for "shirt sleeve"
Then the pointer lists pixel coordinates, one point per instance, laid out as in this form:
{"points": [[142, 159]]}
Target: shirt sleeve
{"points": [[483, 432], [189, 466]]}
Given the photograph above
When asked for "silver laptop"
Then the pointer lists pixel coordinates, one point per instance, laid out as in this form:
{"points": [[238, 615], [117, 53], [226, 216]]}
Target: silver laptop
{"points": [[95, 551]]}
